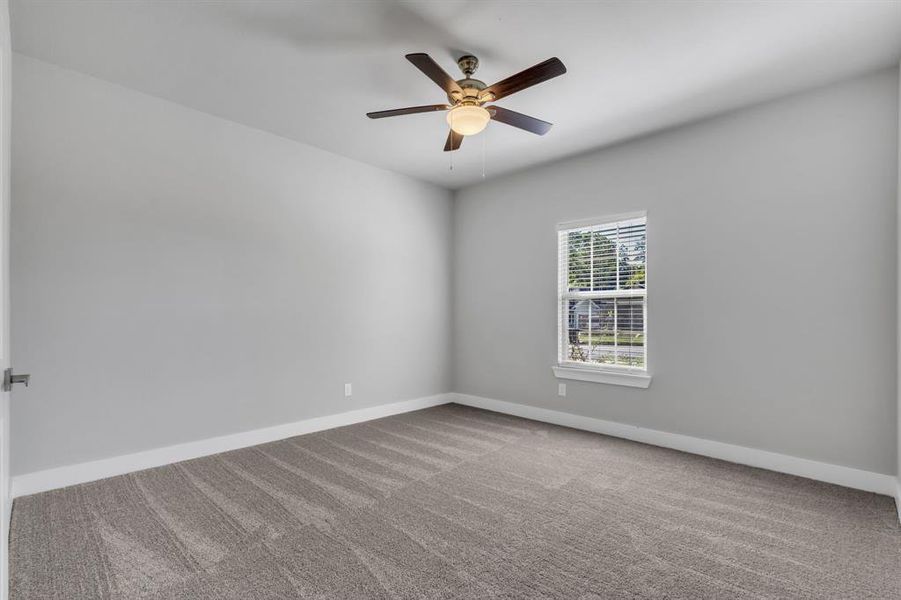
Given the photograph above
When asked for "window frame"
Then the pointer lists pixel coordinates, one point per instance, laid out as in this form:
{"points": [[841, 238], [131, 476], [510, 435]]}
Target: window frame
{"points": [[598, 373]]}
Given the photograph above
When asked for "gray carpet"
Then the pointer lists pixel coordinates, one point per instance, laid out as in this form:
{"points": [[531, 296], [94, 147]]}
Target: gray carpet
{"points": [[454, 502]]}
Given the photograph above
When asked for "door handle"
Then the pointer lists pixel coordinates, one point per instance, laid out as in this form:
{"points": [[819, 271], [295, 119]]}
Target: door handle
{"points": [[9, 379]]}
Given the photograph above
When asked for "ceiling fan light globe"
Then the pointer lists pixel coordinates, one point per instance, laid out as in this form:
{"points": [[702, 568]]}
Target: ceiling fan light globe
{"points": [[468, 120]]}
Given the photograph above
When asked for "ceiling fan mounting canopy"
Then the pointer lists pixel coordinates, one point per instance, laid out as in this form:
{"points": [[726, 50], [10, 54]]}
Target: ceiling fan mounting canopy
{"points": [[469, 64], [467, 116]]}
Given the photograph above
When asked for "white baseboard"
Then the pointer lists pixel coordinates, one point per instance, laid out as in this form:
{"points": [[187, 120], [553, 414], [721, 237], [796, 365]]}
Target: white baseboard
{"points": [[898, 498], [844, 476], [41, 481], [50, 479]]}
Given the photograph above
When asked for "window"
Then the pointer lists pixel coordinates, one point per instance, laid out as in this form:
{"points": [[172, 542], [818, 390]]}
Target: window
{"points": [[602, 300]]}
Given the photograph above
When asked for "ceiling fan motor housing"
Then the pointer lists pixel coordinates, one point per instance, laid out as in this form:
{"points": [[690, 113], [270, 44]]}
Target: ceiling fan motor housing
{"points": [[471, 91], [471, 87]]}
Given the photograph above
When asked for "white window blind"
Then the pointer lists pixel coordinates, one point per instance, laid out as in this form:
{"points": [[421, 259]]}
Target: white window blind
{"points": [[602, 295]]}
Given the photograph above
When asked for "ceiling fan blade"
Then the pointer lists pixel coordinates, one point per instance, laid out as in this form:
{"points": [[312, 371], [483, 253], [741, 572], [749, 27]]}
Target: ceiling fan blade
{"points": [[434, 72], [412, 110], [511, 117], [548, 69], [454, 140]]}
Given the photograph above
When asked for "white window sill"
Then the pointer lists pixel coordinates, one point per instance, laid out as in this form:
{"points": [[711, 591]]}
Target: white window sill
{"points": [[614, 377]]}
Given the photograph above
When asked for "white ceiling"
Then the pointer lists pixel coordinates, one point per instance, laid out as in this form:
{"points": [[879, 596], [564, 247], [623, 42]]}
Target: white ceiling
{"points": [[311, 70]]}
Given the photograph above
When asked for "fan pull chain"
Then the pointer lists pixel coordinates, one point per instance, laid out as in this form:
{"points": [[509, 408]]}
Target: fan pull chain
{"points": [[484, 150], [451, 133]]}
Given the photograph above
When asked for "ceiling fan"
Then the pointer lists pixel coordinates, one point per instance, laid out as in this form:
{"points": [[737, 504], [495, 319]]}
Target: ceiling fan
{"points": [[467, 115]]}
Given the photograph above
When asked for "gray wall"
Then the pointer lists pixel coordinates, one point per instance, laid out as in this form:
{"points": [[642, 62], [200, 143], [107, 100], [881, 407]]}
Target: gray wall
{"points": [[772, 274], [176, 276]]}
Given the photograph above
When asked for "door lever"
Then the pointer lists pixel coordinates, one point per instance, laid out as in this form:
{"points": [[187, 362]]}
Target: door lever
{"points": [[9, 379]]}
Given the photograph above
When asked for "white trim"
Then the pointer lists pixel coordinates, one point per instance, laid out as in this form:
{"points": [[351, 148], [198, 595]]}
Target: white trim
{"points": [[898, 498], [580, 223], [624, 377], [782, 463], [41, 481], [897, 312]]}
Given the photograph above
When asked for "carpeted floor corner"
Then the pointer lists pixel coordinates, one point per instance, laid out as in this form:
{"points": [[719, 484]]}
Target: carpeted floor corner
{"points": [[454, 502]]}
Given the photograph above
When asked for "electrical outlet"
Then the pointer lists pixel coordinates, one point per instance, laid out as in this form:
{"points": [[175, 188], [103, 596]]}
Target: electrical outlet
{"points": [[561, 389], [348, 390]]}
